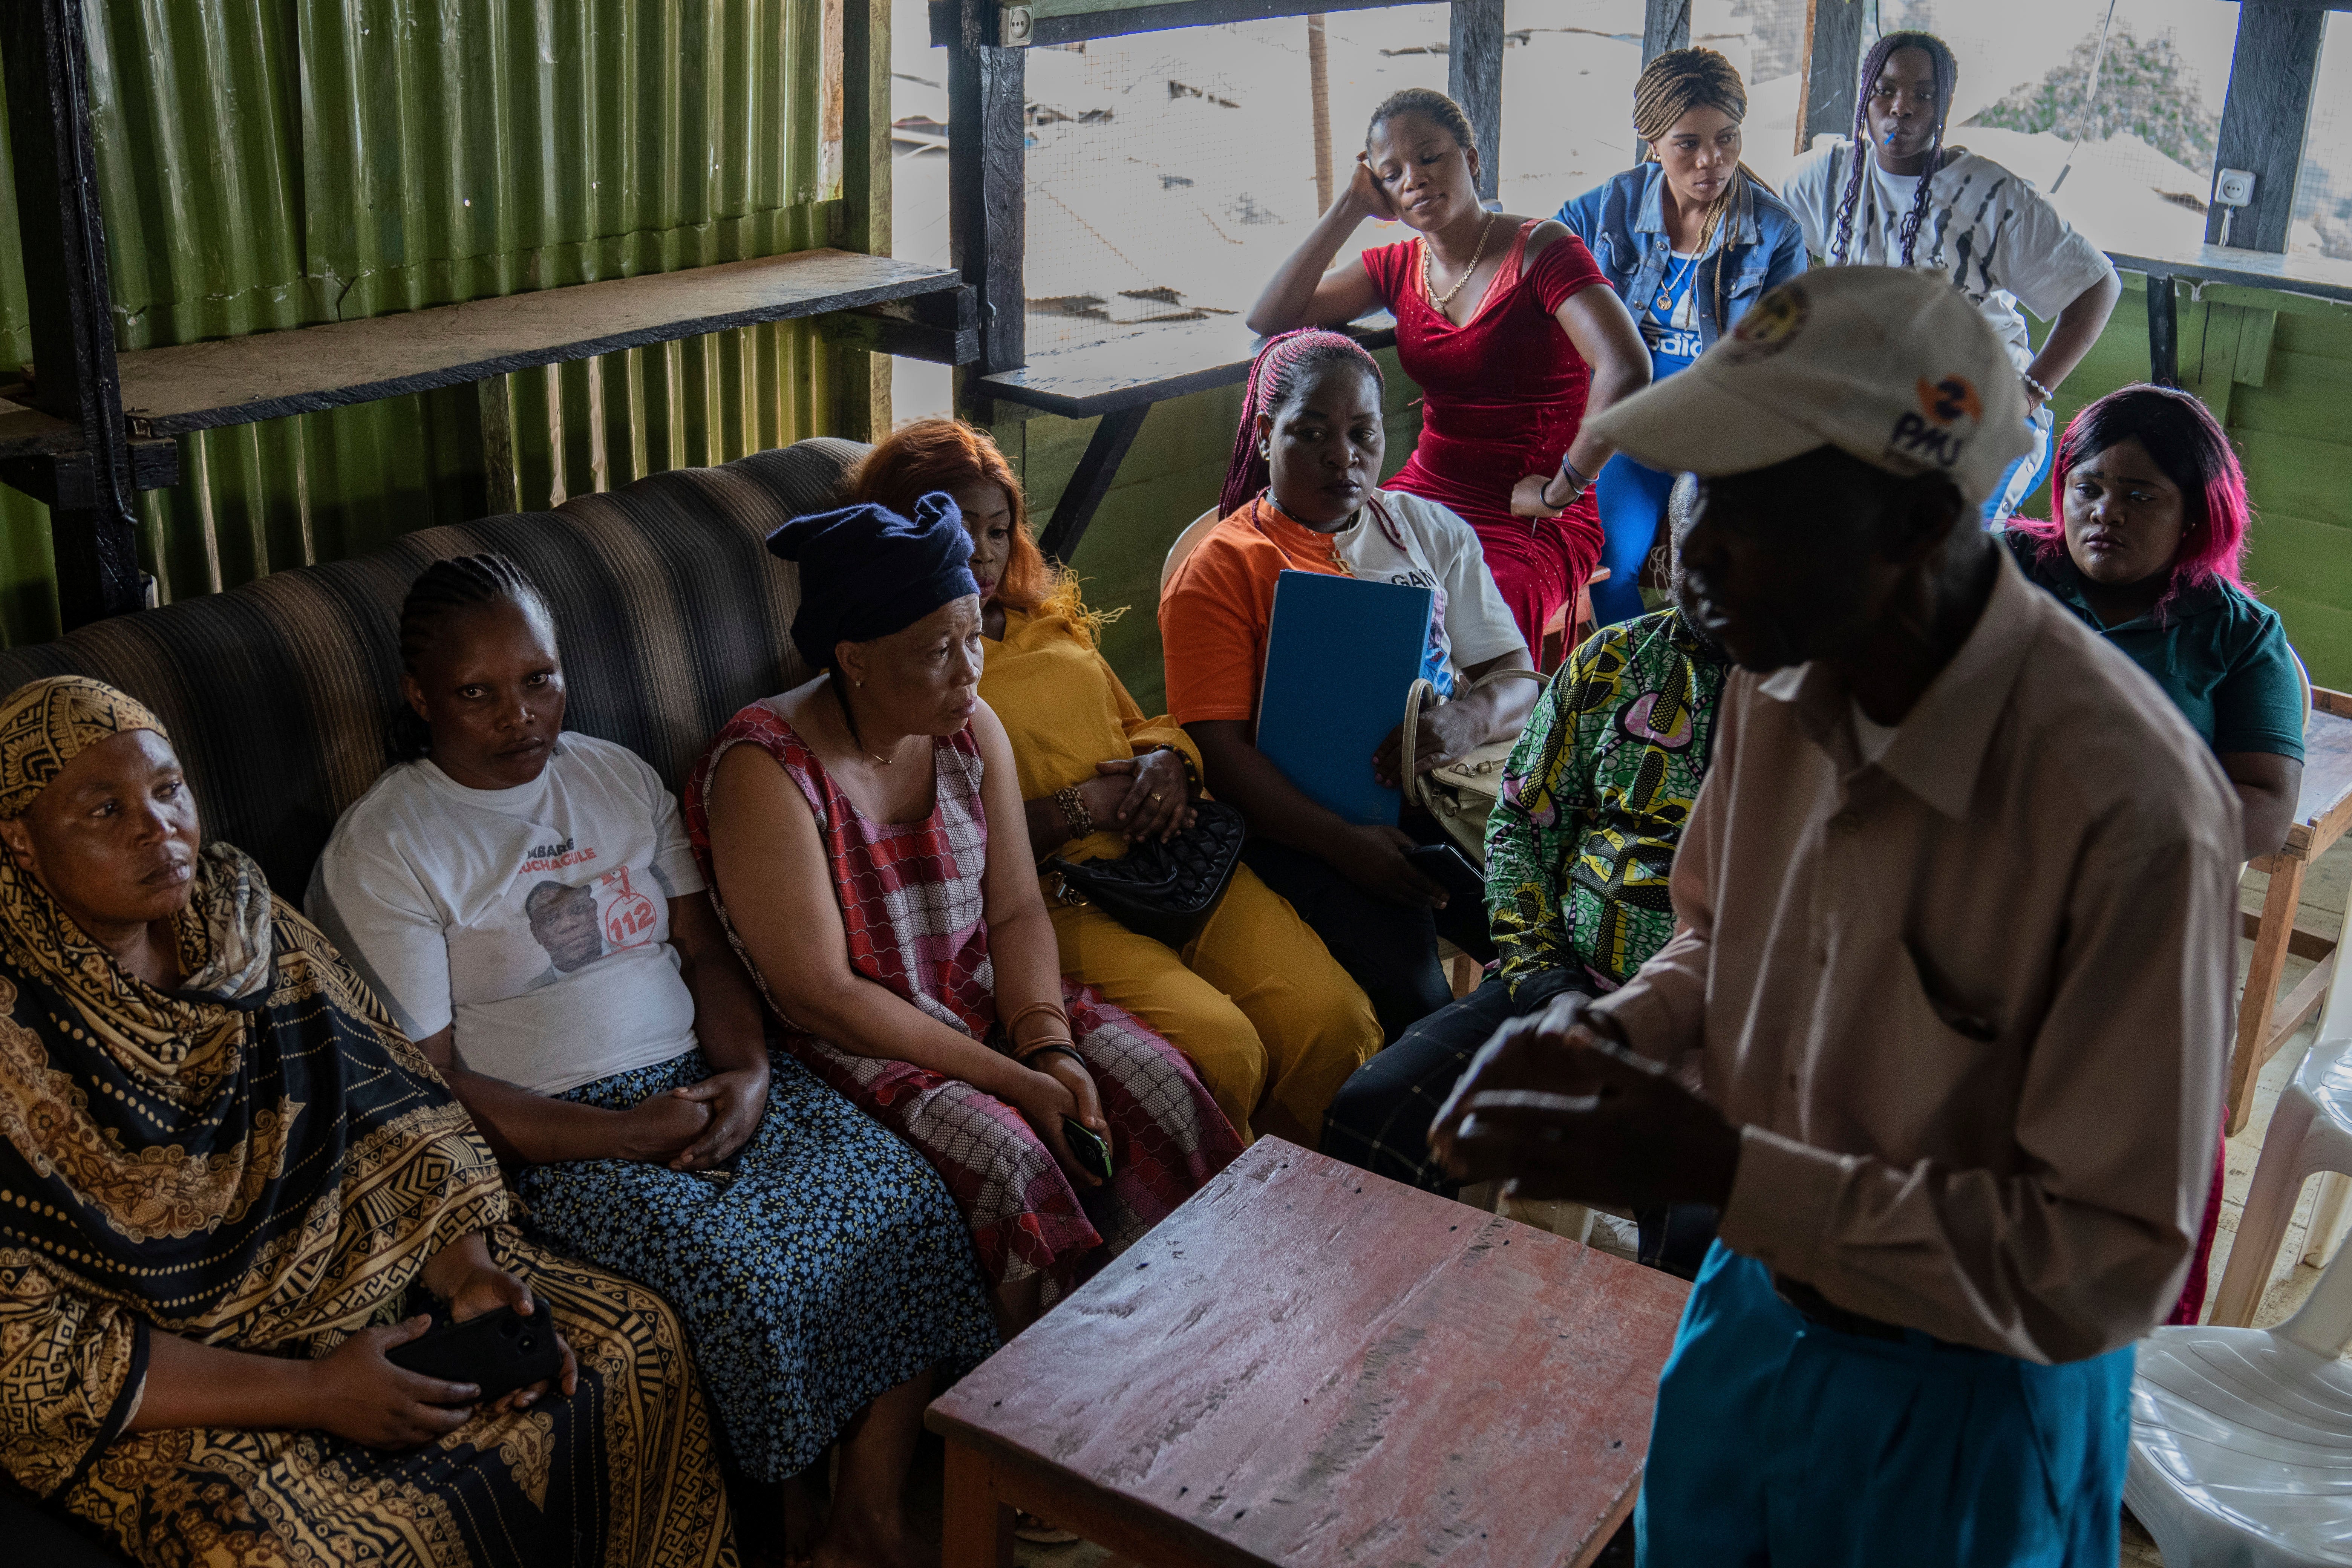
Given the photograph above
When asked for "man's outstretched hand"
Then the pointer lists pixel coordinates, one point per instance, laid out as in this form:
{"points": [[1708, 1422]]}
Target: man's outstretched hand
{"points": [[1555, 1104]]}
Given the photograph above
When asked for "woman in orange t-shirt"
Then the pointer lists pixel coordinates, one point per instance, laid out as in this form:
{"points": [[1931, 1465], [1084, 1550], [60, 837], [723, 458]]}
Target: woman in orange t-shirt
{"points": [[1258, 1005], [1301, 496]]}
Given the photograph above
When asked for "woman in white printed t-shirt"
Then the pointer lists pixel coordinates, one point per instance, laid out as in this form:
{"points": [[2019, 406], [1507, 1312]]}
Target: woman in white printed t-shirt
{"points": [[525, 902], [1993, 235]]}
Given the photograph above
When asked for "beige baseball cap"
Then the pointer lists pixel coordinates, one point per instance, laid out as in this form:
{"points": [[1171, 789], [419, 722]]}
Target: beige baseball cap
{"points": [[1892, 365]]}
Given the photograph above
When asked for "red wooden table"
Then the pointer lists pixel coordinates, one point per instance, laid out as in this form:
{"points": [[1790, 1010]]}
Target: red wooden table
{"points": [[1308, 1364]]}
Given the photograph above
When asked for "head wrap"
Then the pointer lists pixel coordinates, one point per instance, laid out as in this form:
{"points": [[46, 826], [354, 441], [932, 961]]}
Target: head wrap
{"points": [[46, 724], [866, 572], [1680, 81]]}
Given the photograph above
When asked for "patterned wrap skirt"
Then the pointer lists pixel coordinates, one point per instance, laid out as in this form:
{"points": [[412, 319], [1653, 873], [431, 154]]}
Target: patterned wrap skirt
{"points": [[1167, 1137], [822, 1266], [624, 1474]]}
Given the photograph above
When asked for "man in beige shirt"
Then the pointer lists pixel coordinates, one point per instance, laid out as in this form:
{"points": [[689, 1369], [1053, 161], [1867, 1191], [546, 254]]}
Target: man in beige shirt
{"points": [[1955, 908]]}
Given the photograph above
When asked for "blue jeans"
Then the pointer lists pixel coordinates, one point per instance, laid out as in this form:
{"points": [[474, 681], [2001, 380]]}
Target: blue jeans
{"points": [[2019, 480], [1632, 500], [1779, 1442]]}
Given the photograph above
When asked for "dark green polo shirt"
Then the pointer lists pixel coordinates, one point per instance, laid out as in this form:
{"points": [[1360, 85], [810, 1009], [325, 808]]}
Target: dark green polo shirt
{"points": [[2221, 655]]}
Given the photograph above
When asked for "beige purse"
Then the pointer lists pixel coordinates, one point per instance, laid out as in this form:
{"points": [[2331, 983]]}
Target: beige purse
{"points": [[1459, 794]]}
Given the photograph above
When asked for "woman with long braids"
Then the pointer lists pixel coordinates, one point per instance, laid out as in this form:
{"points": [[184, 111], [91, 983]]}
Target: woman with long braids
{"points": [[1688, 239], [1914, 202], [1510, 332], [525, 902], [1301, 495]]}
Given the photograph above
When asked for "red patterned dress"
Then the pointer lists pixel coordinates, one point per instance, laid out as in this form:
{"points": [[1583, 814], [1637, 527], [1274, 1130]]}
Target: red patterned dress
{"points": [[911, 899]]}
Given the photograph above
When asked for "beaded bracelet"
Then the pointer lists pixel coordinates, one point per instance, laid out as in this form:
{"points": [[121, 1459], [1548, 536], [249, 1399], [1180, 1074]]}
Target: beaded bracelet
{"points": [[2041, 393], [1074, 815]]}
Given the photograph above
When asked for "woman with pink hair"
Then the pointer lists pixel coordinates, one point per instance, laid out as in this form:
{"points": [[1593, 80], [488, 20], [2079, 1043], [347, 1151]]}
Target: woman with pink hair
{"points": [[2151, 522]]}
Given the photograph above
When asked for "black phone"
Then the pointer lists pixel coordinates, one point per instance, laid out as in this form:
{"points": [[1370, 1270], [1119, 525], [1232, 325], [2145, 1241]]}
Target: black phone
{"points": [[1087, 1147], [1450, 870], [498, 1352]]}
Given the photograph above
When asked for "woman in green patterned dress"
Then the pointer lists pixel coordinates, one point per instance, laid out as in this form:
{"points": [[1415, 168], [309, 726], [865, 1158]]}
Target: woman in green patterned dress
{"points": [[1579, 850]]}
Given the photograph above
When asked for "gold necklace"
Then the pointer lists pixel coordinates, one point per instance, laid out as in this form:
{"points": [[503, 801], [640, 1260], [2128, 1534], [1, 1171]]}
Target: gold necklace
{"points": [[1442, 300]]}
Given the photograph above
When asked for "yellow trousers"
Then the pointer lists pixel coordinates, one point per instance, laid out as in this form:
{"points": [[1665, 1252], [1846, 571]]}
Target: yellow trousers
{"points": [[1255, 1001]]}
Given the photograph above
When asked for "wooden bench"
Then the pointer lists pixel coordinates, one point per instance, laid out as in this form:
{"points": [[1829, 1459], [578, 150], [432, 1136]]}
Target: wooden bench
{"points": [[2322, 814], [1308, 1364], [1120, 380]]}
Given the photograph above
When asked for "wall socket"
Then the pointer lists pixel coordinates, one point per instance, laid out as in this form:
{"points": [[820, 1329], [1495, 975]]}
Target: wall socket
{"points": [[2232, 190]]}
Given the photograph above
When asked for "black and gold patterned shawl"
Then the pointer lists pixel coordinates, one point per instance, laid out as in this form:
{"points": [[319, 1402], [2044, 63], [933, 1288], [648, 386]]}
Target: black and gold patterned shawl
{"points": [[257, 1160]]}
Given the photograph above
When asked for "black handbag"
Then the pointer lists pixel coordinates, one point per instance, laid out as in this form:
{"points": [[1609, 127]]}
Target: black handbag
{"points": [[1160, 890]]}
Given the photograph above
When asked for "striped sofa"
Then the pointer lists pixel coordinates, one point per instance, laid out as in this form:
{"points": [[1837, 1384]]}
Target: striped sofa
{"points": [[670, 614]]}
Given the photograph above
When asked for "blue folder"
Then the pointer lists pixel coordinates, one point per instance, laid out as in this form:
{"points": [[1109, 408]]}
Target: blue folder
{"points": [[1340, 657]]}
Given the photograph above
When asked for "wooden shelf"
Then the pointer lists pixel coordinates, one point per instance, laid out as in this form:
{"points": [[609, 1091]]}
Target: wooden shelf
{"points": [[29, 433], [268, 375], [1150, 365]]}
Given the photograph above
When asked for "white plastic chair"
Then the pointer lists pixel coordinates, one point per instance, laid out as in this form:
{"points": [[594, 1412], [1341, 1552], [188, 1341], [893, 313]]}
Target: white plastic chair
{"points": [[1194, 532], [2241, 1439], [2310, 1131]]}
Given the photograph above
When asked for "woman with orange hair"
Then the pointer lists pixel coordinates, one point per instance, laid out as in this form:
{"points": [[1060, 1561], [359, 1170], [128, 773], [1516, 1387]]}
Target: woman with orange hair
{"points": [[1268, 1017]]}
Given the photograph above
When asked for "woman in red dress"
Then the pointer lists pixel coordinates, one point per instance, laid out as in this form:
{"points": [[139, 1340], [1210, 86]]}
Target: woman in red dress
{"points": [[1508, 328]]}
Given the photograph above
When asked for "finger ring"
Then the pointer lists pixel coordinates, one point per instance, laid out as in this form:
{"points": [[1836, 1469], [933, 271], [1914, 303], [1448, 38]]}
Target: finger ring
{"points": [[1155, 797]]}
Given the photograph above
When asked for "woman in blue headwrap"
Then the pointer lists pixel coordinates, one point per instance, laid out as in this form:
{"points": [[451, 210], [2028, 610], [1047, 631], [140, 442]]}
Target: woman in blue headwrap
{"points": [[868, 853]]}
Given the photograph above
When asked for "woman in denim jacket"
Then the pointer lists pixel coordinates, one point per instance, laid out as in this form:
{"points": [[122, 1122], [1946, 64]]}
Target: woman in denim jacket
{"points": [[1688, 239]]}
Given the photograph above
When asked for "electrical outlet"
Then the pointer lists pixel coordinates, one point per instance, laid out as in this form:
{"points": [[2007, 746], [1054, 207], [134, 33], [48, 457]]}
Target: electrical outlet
{"points": [[2235, 188]]}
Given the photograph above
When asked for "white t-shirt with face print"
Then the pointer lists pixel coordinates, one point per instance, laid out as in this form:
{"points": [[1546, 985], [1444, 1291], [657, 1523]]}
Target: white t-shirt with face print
{"points": [[535, 919], [1434, 548], [1987, 230]]}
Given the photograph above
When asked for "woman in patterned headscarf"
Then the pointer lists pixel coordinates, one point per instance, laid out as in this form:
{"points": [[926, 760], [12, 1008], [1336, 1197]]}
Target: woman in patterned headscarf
{"points": [[229, 1186]]}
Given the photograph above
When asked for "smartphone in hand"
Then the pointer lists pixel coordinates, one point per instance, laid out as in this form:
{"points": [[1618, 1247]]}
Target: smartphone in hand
{"points": [[1087, 1147], [498, 1352], [1450, 870]]}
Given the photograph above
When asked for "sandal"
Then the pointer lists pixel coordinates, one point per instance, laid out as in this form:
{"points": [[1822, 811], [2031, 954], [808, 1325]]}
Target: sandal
{"points": [[1030, 1528]]}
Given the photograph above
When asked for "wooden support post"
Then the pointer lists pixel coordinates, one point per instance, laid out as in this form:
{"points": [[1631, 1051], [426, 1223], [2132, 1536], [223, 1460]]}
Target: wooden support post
{"points": [[986, 231], [861, 380], [2265, 116], [977, 1528], [64, 240], [1833, 60], [2259, 1000], [1318, 93], [1106, 450], [1665, 24], [1474, 77], [2163, 331]]}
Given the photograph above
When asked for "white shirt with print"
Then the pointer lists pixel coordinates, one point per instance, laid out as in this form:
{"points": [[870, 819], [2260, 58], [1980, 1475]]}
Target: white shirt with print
{"points": [[535, 919], [1434, 548], [1987, 230]]}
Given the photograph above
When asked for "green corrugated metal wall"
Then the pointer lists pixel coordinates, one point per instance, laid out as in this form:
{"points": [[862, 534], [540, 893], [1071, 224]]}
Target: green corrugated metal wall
{"points": [[271, 165]]}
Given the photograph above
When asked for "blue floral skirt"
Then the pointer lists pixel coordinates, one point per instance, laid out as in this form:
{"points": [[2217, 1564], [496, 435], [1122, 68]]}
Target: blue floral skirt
{"points": [[825, 1265]]}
